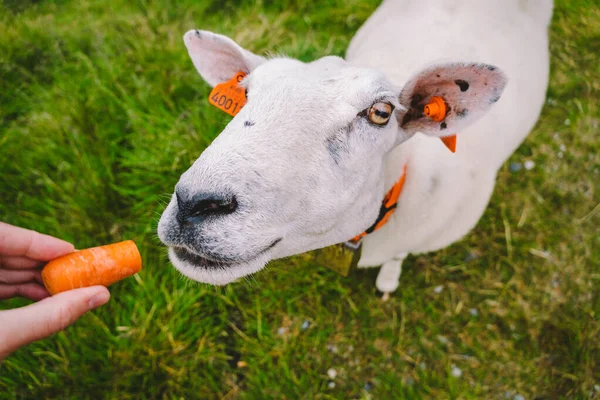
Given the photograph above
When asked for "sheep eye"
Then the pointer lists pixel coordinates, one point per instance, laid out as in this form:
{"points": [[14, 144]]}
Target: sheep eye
{"points": [[380, 113]]}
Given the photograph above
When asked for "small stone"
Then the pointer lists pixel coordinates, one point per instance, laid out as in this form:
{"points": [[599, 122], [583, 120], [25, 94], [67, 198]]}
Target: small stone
{"points": [[562, 147], [331, 385], [456, 372], [473, 312], [332, 348], [518, 397], [514, 167], [438, 289], [305, 325], [529, 165], [442, 339], [331, 373], [471, 256], [282, 331]]}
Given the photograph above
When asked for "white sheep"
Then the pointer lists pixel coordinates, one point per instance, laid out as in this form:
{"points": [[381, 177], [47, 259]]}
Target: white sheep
{"points": [[308, 160]]}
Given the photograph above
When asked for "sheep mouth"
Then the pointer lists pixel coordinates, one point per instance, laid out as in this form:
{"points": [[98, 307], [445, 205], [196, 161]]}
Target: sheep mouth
{"points": [[217, 272], [200, 261], [206, 262]]}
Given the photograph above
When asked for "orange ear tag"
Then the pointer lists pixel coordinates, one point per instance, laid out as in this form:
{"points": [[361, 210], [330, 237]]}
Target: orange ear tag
{"points": [[450, 142], [229, 96], [436, 110]]}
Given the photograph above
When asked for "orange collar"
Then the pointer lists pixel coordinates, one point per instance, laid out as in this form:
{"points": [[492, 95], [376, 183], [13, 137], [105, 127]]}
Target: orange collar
{"points": [[388, 206]]}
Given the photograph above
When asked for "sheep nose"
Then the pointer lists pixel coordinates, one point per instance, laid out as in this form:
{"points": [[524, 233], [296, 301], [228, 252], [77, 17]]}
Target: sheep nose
{"points": [[195, 209]]}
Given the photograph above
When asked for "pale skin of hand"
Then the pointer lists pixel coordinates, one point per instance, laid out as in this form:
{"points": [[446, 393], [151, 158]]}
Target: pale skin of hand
{"points": [[23, 253]]}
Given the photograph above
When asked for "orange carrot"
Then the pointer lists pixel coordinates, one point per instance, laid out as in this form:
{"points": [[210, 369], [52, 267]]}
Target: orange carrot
{"points": [[102, 265]]}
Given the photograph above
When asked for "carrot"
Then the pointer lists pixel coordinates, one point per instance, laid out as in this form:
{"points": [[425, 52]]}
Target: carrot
{"points": [[102, 265]]}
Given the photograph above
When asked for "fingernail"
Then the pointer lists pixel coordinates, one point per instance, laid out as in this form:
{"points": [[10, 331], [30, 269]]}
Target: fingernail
{"points": [[98, 299]]}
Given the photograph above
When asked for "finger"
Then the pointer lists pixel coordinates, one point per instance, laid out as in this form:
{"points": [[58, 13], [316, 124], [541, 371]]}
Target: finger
{"points": [[16, 262], [15, 241], [31, 291], [37, 321], [8, 276]]}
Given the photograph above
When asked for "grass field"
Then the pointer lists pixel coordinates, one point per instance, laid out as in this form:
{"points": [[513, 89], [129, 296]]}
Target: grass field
{"points": [[101, 110]]}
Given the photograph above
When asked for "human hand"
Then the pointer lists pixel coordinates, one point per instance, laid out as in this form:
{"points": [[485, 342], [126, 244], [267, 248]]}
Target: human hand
{"points": [[22, 254]]}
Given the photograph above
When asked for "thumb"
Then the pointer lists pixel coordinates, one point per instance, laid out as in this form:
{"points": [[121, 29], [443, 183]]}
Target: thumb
{"points": [[24, 325]]}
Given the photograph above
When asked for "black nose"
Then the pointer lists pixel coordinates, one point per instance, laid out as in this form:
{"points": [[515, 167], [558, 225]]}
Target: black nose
{"points": [[198, 207]]}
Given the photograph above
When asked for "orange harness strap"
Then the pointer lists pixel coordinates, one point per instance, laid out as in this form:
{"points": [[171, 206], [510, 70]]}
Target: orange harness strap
{"points": [[388, 206]]}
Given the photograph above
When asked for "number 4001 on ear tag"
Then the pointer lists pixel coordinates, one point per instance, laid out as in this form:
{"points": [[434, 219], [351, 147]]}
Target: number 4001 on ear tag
{"points": [[229, 96]]}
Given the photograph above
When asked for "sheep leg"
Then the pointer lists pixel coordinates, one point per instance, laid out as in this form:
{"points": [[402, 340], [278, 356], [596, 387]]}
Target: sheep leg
{"points": [[388, 278]]}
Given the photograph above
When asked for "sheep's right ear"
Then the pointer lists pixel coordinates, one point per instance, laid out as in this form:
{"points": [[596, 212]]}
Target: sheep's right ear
{"points": [[218, 58], [467, 91]]}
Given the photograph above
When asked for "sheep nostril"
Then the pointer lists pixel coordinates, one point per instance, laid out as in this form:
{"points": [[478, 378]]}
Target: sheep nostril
{"points": [[202, 205], [213, 206]]}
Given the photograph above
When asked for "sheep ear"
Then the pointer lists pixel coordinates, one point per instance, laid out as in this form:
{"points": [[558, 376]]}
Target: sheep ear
{"points": [[466, 91], [218, 58]]}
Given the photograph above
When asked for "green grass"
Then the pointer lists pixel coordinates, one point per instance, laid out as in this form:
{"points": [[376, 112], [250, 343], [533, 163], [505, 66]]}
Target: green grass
{"points": [[101, 110]]}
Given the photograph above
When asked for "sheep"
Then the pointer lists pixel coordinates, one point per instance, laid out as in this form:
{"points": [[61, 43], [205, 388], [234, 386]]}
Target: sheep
{"points": [[307, 161]]}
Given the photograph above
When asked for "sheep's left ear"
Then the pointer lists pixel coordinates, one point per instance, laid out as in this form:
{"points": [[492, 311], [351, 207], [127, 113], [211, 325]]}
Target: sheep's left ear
{"points": [[218, 58], [467, 89]]}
